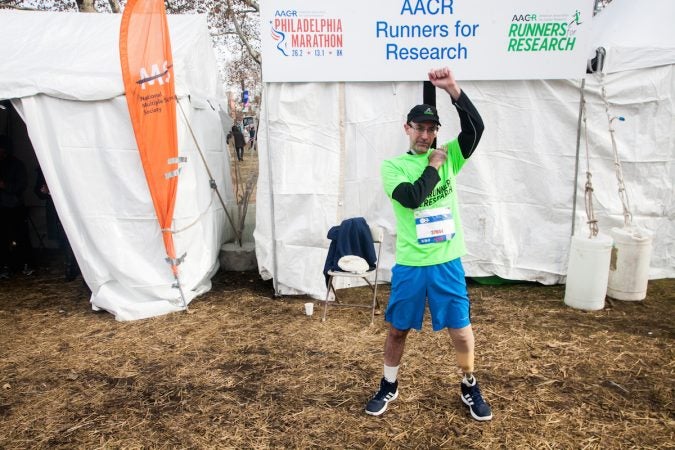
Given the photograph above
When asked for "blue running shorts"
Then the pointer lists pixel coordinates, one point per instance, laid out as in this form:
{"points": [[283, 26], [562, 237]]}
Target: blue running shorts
{"points": [[442, 284]]}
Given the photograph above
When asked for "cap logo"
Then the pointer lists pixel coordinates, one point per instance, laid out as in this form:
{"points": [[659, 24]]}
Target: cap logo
{"points": [[428, 112]]}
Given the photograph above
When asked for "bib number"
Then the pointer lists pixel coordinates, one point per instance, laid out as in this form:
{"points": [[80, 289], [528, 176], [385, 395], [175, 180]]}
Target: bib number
{"points": [[434, 225]]}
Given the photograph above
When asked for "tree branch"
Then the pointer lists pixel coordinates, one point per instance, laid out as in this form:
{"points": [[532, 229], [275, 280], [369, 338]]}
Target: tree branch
{"points": [[223, 33], [115, 6], [251, 51], [252, 4], [86, 5]]}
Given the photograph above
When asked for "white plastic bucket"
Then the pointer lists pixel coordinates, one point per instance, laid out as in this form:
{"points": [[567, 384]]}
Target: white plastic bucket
{"points": [[587, 272], [629, 265]]}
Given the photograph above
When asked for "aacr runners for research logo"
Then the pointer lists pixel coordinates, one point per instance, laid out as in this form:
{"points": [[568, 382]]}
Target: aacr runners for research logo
{"points": [[307, 33], [531, 32]]}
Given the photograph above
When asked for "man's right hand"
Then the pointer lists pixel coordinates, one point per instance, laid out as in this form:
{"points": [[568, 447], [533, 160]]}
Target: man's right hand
{"points": [[438, 157]]}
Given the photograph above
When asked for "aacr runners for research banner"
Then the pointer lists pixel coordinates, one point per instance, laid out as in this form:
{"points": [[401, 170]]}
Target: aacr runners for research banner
{"points": [[399, 40]]}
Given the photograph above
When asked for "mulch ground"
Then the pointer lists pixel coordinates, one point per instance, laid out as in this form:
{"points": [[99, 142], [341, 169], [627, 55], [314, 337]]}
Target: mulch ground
{"points": [[243, 369]]}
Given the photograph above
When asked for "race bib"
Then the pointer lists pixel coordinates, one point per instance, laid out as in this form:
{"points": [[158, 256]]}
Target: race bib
{"points": [[434, 225]]}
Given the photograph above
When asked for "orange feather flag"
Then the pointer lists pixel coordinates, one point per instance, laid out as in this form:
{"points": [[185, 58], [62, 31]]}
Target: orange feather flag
{"points": [[147, 70]]}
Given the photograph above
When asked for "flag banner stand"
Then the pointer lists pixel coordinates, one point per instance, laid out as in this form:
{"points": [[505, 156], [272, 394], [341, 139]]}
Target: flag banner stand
{"points": [[147, 71]]}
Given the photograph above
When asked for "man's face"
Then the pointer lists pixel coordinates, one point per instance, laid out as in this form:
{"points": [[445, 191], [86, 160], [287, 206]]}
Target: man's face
{"points": [[421, 135]]}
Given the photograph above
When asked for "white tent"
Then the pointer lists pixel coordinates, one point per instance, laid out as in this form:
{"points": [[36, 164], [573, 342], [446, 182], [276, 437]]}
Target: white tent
{"points": [[636, 35], [322, 144], [62, 73]]}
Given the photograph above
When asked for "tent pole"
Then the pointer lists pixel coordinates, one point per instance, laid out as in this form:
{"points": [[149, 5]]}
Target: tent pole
{"points": [[341, 178], [212, 181], [182, 294], [429, 97], [275, 270], [582, 100]]}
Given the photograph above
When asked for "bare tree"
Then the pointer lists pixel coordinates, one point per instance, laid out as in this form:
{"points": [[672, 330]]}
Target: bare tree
{"points": [[86, 5], [245, 28], [42, 5], [65, 5], [115, 6], [233, 23]]}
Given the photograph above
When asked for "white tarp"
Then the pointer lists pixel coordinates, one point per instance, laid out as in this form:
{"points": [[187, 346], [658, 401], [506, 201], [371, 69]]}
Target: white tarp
{"points": [[63, 75], [326, 141], [76, 56], [635, 35]]}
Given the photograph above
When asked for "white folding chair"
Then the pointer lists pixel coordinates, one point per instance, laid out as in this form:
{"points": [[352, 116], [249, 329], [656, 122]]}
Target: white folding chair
{"points": [[378, 237]]}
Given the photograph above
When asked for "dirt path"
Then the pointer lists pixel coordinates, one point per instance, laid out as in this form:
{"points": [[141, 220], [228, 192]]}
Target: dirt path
{"points": [[245, 370], [241, 171]]}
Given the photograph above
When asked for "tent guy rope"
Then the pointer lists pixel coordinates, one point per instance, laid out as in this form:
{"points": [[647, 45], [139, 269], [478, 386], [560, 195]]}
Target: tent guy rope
{"points": [[588, 187], [623, 195], [212, 181]]}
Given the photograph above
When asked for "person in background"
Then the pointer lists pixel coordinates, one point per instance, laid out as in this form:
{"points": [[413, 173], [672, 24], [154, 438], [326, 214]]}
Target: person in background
{"points": [[55, 229], [251, 134], [239, 142], [15, 247], [421, 184]]}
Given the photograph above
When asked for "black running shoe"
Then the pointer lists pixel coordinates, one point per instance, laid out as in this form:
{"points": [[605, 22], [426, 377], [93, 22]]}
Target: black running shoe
{"points": [[378, 404], [27, 270], [472, 398]]}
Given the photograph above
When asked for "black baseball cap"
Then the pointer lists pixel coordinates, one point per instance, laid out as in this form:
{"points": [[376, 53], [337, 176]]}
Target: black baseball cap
{"points": [[423, 113]]}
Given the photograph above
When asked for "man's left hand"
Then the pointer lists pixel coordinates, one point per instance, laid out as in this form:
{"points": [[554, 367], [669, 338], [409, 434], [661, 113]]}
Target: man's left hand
{"points": [[444, 79]]}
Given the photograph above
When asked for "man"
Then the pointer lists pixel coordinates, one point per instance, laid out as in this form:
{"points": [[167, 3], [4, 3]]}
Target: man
{"points": [[430, 242], [55, 228], [239, 142], [251, 134]]}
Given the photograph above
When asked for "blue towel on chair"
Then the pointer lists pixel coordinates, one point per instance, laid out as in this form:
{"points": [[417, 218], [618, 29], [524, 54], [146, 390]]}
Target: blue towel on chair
{"points": [[351, 237]]}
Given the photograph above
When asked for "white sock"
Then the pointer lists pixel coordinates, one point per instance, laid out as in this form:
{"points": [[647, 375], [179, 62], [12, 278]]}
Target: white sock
{"points": [[390, 373]]}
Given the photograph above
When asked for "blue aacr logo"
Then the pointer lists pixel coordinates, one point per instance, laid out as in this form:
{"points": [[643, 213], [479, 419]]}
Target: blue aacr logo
{"points": [[286, 13]]}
